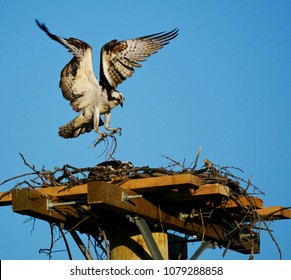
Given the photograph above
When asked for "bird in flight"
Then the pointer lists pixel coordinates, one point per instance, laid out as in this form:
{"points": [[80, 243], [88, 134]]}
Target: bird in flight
{"points": [[90, 97]]}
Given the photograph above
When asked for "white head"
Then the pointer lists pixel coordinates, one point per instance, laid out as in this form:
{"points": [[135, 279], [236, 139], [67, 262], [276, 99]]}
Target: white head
{"points": [[116, 98]]}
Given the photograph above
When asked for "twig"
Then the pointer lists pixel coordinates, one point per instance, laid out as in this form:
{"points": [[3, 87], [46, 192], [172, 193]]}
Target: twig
{"points": [[226, 248], [249, 184], [110, 149], [66, 242], [273, 238], [49, 251], [197, 158], [17, 177], [176, 163], [32, 167]]}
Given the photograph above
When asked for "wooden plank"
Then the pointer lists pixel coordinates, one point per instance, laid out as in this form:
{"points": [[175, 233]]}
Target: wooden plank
{"points": [[203, 192], [210, 189], [277, 212], [65, 192], [5, 198], [144, 184], [245, 201], [109, 197], [151, 184], [34, 203]]}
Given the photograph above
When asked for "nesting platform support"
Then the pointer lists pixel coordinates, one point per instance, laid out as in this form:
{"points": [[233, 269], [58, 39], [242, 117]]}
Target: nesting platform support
{"points": [[137, 213], [132, 239]]}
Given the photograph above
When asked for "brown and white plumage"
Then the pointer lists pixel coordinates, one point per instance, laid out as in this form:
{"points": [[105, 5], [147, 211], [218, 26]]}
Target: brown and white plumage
{"points": [[90, 97]]}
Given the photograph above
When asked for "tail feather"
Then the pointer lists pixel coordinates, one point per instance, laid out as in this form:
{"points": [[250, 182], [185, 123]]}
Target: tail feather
{"points": [[67, 130], [76, 127]]}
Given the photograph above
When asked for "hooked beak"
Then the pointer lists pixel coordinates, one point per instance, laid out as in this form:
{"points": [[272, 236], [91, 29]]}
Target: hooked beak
{"points": [[121, 103]]}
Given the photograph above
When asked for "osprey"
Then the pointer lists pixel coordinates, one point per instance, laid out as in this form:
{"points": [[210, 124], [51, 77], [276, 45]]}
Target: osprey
{"points": [[90, 97]]}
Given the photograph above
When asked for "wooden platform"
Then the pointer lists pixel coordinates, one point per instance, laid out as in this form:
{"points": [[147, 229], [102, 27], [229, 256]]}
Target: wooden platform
{"points": [[178, 202]]}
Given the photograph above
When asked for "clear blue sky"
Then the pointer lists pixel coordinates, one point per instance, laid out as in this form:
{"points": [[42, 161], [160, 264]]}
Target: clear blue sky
{"points": [[223, 84]]}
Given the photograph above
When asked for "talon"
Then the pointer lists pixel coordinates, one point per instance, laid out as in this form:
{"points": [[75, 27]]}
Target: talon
{"points": [[117, 130], [102, 136]]}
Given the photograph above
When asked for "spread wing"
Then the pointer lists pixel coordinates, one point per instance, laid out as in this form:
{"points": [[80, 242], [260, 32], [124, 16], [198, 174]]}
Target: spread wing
{"points": [[78, 82], [119, 58]]}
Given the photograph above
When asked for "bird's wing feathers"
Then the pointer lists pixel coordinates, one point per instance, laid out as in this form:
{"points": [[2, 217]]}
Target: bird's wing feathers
{"points": [[78, 82], [119, 58]]}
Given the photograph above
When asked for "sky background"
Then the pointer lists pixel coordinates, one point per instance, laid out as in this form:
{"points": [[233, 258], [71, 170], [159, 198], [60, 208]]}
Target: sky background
{"points": [[223, 84]]}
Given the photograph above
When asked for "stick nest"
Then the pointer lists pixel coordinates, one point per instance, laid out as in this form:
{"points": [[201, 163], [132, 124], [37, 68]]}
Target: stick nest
{"points": [[116, 172]]}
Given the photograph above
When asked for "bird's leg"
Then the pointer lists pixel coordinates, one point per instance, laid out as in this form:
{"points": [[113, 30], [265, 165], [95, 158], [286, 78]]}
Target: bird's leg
{"points": [[96, 119], [103, 135], [107, 126]]}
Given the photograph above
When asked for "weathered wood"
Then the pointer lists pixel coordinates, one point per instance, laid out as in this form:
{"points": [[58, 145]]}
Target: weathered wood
{"points": [[133, 247], [111, 197], [108, 196], [162, 204], [202, 192], [274, 212], [35, 203], [245, 201], [65, 192], [5, 198], [159, 183], [129, 244]]}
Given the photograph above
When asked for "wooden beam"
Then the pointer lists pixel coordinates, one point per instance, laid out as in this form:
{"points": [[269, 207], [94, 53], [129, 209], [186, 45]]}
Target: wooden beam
{"points": [[67, 192], [63, 192], [5, 198], [151, 184], [202, 192], [35, 203], [274, 212], [245, 201], [109, 196]]}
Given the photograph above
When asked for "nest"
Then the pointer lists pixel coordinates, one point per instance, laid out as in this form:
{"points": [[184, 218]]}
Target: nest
{"points": [[242, 222]]}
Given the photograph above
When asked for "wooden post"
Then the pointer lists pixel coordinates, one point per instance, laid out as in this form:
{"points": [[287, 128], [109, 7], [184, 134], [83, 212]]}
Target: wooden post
{"points": [[127, 243]]}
